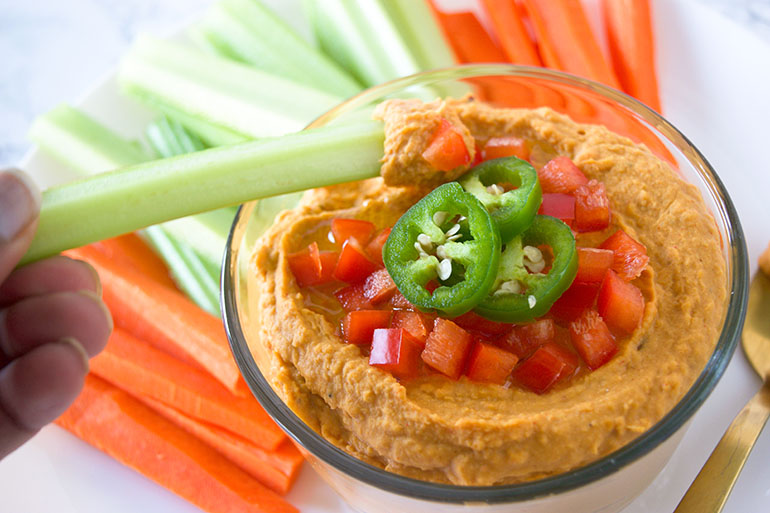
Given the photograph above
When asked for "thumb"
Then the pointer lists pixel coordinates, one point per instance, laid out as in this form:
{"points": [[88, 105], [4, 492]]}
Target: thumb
{"points": [[19, 208]]}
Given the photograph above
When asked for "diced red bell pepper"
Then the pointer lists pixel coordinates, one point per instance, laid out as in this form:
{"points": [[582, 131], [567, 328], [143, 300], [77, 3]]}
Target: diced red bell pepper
{"points": [[592, 339], [352, 298], [418, 324], [343, 229], [630, 256], [447, 348], [446, 149], [395, 351], [620, 303], [477, 155], [312, 267], [524, 340], [379, 287], [353, 265], [399, 302], [593, 264], [558, 205], [547, 366], [560, 174], [358, 326], [490, 364], [374, 248], [592, 207], [474, 322], [498, 147], [574, 301]]}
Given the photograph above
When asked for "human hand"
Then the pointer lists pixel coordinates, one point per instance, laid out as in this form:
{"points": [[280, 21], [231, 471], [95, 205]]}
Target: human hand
{"points": [[51, 321]]}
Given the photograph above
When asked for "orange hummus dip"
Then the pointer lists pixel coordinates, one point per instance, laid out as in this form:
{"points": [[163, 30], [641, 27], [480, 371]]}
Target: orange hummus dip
{"points": [[468, 433]]}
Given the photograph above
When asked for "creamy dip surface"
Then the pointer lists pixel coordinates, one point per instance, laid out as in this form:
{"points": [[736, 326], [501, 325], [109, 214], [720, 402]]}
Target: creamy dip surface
{"points": [[468, 433]]}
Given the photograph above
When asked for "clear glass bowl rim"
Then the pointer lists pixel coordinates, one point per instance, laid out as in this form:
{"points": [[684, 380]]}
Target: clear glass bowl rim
{"points": [[738, 268]]}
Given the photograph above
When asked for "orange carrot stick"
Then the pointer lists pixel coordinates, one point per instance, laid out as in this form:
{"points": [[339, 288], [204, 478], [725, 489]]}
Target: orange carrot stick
{"points": [[565, 39], [468, 38], [165, 318], [632, 50], [138, 368], [114, 422], [131, 251], [511, 32], [276, 469]]}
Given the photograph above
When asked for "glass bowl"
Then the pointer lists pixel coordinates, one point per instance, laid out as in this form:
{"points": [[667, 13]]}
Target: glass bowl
{"points": [[606, 485]]}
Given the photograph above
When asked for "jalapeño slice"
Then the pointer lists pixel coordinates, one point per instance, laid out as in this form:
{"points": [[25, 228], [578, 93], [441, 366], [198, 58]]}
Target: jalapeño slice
{"points": [[448, 243], [521, 292], [509, 189]]}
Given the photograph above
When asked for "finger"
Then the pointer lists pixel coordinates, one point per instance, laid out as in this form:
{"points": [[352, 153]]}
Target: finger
{"points": [[19, 207], [55, 274], [37, 387], [43, 319]]}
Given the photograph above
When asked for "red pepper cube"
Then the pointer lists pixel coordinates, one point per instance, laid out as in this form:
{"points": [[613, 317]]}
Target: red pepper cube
{"points": [[509, 146], [592, 207], [352, 298], [312, 267], [374, 248], [446, 149], [525, 339], [358, 326], [561, 175], [474, 322], [477, 154], [399, 302], [558, 205], [447, 348], [630, 256], [575, 300], [620, 303], [343, 229], [547, 366], [490, 364], [379, 287], [592, 339], [395, 351], [353, 265], [593, 264], [417, 324]]}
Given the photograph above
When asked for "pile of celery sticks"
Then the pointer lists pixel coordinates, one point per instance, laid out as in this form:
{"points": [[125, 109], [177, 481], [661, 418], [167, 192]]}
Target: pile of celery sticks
{"points": [[240, 77]]}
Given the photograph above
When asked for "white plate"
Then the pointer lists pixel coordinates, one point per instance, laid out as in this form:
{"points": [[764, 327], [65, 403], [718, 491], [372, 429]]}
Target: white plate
{"points": [[714, 80]]}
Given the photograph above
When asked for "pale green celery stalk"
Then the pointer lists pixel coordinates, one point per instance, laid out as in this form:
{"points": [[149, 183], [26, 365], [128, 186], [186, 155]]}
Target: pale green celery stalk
{"points": [[169, 138], [88, 147], [125, 200], [219, 91], [362, 38], [206, 233], [249, 32], [419, 28]]}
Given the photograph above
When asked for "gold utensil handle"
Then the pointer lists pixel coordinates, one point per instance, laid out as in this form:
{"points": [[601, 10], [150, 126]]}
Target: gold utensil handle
{"points": [[709, 492]]}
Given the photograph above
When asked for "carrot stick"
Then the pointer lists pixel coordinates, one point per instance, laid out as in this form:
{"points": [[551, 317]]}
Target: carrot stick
{"points": [[138, 368], [511, 32], [133, 434], [565, 40], [632, 50], [276, 469], [165, 318], [469, 40], [131, 251]]}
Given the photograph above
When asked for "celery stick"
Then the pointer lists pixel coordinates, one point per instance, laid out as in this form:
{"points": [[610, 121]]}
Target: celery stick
{"points": [[362, 38], [125, 200], [61, 132], [248, 31], [421, 32], [169, 138], [206, 233], [75, 138], [219, 91]]}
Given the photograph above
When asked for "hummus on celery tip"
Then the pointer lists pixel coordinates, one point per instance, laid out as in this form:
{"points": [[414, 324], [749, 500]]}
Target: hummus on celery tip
{"points": [[467, 433]]}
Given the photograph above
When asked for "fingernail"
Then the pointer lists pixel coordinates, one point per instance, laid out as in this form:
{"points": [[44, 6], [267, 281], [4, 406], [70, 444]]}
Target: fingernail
{"points": [[98, 299], [78, 347], [20, 200]]}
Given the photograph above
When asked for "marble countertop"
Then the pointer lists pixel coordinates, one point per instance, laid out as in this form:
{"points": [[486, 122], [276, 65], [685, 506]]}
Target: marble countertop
{"points": [[52, 51]]}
